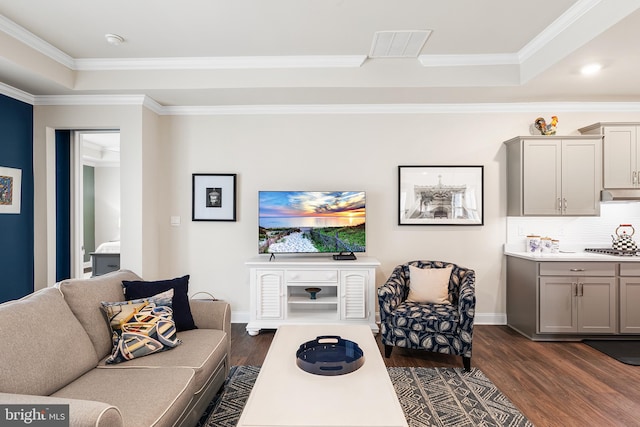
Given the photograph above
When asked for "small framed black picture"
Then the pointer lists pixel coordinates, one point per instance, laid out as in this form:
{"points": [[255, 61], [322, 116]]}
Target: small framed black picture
{"points": [[214, 197]]}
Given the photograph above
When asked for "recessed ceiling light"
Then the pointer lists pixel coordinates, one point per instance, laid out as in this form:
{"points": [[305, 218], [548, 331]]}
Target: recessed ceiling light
{"points": [[590, 69], [114, 39]]}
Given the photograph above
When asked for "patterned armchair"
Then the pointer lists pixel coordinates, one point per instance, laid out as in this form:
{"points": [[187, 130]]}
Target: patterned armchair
{"points": [[442, 328]]}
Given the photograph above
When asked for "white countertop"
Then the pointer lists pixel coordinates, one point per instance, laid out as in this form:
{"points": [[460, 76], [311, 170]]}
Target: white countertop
{"points": [[573, 254]]}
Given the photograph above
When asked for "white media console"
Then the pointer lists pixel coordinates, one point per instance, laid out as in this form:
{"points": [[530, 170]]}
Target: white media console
{"points": [[347, 291]]}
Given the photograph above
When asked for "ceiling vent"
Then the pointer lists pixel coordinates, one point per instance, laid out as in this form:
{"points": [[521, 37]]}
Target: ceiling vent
{"points": [[398, 44]]}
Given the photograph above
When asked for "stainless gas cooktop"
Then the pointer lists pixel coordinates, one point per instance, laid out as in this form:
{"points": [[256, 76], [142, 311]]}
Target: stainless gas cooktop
{"points": [[615, 252]]}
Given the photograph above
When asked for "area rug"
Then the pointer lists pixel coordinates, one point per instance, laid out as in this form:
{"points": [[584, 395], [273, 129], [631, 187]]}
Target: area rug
{"points": [[624, 351], [428, 396]]}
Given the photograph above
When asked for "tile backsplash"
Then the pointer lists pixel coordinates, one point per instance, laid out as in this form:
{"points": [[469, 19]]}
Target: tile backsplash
{"points": [[576, 233]]}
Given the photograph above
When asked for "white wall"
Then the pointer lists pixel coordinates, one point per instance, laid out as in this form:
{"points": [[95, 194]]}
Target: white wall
{"points": [[126, 118], [107, 204], [300, 152], [340, 152]]}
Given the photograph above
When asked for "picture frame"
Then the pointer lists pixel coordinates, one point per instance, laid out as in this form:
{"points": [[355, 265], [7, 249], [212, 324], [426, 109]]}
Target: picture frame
{"points": [[440, 195], [213, 197], [10, 190]]}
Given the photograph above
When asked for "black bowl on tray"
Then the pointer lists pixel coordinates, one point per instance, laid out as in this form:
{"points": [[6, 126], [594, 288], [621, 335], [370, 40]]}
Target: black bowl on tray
{"points": [[329, 355]]}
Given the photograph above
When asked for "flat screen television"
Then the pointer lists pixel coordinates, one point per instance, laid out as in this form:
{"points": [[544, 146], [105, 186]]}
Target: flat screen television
{"points": [[311, 222]]}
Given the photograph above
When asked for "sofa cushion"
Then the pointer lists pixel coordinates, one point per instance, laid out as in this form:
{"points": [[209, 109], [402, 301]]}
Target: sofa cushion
{"points": [[135, 289], [84, 297], [44, 345], [145, 397], [202, 350], [141, 327]]}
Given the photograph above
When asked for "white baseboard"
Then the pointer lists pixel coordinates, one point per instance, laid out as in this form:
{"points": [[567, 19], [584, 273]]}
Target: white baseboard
{"points": [[480, 319], [239, 316]]}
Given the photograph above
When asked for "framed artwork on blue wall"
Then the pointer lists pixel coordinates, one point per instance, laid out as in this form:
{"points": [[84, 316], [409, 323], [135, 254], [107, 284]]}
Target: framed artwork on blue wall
{"points": [[10, 190]]}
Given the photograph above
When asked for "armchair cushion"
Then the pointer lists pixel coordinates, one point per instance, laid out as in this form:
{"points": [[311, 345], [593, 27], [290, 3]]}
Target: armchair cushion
{"points": [[429, 285]]}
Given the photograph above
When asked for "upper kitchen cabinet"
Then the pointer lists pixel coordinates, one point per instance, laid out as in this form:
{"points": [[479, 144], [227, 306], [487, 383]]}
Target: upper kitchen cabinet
{"points": [[554, 175], [621, 153]]}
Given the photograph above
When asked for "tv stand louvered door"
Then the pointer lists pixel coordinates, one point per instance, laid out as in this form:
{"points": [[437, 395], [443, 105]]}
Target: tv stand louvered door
{"points": [[280, 292]]}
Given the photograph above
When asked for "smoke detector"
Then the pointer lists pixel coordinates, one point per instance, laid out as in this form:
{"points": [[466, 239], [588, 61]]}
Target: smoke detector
{"points": [[114, 39], [398, 44]]}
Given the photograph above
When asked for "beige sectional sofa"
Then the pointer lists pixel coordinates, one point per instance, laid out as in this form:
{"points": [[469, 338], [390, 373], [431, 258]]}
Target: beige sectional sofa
{"points": [[54, 343]]}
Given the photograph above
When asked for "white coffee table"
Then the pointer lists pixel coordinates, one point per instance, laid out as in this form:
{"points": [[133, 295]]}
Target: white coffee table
{"points": [[285, 395]]}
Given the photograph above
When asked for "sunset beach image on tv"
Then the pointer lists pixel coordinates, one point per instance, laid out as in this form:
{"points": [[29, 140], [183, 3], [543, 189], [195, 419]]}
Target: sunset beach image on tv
{"points": [[311, 221]]}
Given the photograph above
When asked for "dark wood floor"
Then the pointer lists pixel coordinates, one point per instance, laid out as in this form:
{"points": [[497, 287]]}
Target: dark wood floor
{"points": [[552, 383]]}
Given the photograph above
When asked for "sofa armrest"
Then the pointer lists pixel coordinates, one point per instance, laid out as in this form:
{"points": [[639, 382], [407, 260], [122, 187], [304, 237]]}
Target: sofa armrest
{"points": [[208, 314], [213, 314], [82, 413]]}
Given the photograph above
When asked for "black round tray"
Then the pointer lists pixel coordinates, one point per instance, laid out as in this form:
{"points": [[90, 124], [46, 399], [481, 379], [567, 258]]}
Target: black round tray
{"points": [[329, 355]]}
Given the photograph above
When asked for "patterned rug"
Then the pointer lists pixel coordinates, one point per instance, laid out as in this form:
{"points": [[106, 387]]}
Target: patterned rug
{"points": [[428, 396]]}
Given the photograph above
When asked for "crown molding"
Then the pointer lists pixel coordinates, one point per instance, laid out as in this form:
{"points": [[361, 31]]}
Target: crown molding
{"points": [[533, 107], [18, 94], [35, 42], [221, 63], [91, 100], [146, 101], [575, 12], [469, 60]]}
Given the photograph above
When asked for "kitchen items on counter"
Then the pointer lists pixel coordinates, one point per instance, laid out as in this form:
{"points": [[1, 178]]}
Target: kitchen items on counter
{"points": [[545, 245], [623, 241]]}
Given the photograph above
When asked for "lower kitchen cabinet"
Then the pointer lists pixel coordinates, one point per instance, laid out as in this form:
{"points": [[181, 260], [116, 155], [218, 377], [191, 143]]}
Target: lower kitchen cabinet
{"points": [[630, 298], [562, 300], [577, 305]]}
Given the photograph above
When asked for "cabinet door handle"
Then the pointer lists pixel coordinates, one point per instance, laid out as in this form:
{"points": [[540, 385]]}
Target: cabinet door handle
{"points": [[581, 289], [574, 285], [564, 200], [559, 204], [634, 178]]}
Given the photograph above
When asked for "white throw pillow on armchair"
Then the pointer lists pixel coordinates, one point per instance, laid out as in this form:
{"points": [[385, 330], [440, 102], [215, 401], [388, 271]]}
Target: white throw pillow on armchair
{"points": [[429, 285]]}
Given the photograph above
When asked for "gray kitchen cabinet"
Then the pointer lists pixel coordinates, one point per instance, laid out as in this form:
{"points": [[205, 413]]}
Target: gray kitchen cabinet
{"points": [[629, 298], [577, 305], [554, 176], [561, 300], [577, 297], [621, 153]]}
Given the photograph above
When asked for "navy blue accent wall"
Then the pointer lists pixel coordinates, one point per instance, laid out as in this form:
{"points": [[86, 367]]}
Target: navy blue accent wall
{"points": [[63, 205], [16, 230]]}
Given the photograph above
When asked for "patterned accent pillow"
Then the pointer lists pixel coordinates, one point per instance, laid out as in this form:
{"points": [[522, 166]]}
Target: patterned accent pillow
{"points": [[141, 327]]}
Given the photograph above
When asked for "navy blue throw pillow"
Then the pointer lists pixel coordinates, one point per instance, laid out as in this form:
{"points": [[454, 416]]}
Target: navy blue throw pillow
{"points": [[181, 310]]}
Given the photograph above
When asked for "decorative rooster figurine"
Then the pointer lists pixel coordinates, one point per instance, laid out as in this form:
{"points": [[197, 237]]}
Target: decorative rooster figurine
{"points": [[544, 128]]}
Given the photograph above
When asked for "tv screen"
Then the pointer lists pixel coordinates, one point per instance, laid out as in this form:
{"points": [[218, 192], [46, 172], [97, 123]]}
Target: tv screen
{"points": [[311, 221]]}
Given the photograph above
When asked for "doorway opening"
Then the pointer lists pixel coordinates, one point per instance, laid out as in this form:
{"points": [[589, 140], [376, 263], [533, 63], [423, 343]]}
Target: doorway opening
{"points": [[97, 190]]}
